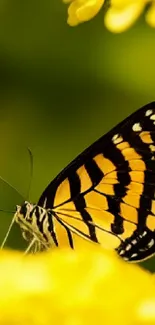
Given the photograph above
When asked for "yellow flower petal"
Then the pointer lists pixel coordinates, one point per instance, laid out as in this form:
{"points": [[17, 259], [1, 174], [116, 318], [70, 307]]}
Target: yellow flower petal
{"points": [[85, 287], [119, 20], [119, 17], [83, 10], [150, 15], [122, 4], [146, 311]]}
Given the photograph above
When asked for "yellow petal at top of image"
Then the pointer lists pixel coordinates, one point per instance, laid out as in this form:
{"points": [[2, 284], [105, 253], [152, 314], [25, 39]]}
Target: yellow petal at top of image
{"points": [[122, 14], [82, 10], [119, 15]]}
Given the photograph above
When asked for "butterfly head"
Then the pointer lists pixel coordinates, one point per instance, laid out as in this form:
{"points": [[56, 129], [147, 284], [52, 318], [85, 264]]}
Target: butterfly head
{"points": [[24, 216], [23, 212], [30, 218]]}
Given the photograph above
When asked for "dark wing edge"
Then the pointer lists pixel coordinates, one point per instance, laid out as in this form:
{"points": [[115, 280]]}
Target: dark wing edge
{"points": [[90, 152]]}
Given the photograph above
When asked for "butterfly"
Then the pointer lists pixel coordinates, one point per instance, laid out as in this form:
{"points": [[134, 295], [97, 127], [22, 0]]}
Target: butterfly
{"points": [[106, 195]]}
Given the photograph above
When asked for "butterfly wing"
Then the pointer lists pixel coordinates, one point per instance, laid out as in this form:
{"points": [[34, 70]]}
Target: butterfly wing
{"points": [[106, 194]]}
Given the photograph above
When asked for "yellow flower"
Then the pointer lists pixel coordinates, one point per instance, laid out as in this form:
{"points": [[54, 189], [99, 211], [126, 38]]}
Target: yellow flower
{"points": [[82, 10], [121, 14], [150, 15], [85, 287]]}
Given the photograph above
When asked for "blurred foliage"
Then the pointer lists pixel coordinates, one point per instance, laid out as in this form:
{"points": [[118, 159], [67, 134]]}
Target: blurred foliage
{"points": [[60, 89]]}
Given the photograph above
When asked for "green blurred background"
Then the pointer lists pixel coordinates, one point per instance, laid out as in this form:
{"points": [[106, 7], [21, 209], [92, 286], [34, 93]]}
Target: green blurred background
{"points": [[62, 88]]}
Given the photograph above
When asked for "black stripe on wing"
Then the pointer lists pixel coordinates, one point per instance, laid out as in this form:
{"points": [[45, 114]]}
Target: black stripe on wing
{"points": [[104, 144]]}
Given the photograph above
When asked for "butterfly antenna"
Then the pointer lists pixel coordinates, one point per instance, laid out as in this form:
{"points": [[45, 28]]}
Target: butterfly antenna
{"points": [[23, 199], [31, 172], [6, 182], [7, 211], [7, 234]]}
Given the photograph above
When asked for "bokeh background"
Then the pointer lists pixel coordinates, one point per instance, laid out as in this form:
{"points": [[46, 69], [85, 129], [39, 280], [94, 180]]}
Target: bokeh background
{"points": [[60, 89]]}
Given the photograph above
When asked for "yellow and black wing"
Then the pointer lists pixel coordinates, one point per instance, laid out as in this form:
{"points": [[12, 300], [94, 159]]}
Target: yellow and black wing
{"points": [[107, 194]]}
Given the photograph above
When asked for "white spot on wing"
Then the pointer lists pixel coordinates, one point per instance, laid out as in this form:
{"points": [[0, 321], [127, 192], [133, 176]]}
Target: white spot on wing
{"points": [[121, 252], [152, 117], [148, 112], [134, 255], [137, 127], [128, 247], [44, 204], [152, 147], [117, 139], [151, 243]]}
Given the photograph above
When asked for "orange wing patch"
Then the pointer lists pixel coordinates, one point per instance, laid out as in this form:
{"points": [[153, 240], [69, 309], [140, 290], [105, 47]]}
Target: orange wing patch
{"points": [[135, 187], [112, 175], [137, 164], [62, 193], [85, 180], [102, 219], [132, 199], [130, 153], [146, 137], [72, 221], [104, 164], [123, 145], [96, 200], [150, 222], [129, 213], [129, 229], [107, 239], [137, 176], [107, 189]]}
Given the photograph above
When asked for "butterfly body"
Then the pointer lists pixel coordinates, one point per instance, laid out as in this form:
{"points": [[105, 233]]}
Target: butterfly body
{"points": [[35, 222], [106, 195]]}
